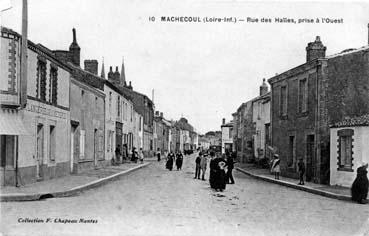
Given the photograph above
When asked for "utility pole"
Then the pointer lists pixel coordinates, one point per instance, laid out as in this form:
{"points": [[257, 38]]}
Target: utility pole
{"points": [[24, 46]]}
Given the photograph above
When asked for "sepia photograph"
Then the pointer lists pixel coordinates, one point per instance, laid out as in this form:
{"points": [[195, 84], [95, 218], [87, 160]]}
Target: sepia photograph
{"points": [[184, 118]]}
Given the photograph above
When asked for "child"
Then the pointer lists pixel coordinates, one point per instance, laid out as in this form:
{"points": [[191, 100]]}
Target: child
{"points": [[301, 169], [276, 169]]}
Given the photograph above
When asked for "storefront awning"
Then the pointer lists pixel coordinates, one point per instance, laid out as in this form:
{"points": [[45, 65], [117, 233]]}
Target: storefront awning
{"points": [[11, 123]]}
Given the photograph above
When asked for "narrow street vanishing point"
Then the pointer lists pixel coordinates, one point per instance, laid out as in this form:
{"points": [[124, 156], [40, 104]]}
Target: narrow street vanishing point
{"points": [[156, 201]]}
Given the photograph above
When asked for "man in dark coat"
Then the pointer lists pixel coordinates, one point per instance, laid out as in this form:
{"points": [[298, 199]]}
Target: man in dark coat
{"points": [[213, 169], [198, 167], [359, 189], [301, 167], [230, 166], [179, 161]]}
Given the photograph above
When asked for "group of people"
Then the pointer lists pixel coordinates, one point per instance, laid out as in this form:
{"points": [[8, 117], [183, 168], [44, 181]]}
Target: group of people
{"points": [[171, 157], [120, 156], [221, 168]]}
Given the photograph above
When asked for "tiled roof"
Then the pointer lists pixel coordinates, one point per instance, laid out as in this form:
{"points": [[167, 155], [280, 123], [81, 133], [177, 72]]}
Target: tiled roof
{"points": [[353, 121]]}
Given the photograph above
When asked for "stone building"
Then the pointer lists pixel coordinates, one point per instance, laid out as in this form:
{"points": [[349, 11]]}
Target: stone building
{"points": [[34, 138], [161, 133], [306, 99], [244, 129], [87, 121], [349, 149], [261, 120], [227, 137]]}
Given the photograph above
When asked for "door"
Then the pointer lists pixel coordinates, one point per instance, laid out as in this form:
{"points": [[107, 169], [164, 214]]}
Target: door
{"points": [[40, 150], [72, 136], [310, 153], [96, 147]]}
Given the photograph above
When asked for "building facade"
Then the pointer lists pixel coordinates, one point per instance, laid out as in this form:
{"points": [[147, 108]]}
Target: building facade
{"points": [[349, 149], [227, 137], [261, 119], [305, 100], [35, 149]]}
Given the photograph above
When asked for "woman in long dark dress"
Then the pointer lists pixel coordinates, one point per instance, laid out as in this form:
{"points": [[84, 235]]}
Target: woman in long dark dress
{"points": [[212, 172], [359, 189], [179, 161], [220, 175], [169, 164]]}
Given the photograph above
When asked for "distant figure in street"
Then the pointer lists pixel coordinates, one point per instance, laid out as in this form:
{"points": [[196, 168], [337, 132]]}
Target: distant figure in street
{"points": [[141, 156], [212, 170], [198, 168], [230, 166], [118, 153], [134, 155], [170, 160], [301, 167], [276, 169], [359, 189], [179, 161], [203, 164], [158, 154]]}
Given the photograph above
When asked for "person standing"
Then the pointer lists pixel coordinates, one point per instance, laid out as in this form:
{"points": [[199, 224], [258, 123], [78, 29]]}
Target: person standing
{"points": [[141, 156], [198, 168], [203, 164], [276, 169], [179, 161], [301, 167], [220, 175], [169, 164], [230, 166], [212, 173], [158, 154], [117, 154]]}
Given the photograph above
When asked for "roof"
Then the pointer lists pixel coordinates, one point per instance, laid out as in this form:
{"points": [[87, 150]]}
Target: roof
{"points": [[229, 124], [353, 121], [348, 51]]}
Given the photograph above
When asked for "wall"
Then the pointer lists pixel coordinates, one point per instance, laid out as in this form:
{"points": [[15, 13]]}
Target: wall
{"points": [[88, 110], [360, 154]]}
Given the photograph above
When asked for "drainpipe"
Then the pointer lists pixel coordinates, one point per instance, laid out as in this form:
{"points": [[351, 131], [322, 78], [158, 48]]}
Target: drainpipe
{"points": [[16, 161]]}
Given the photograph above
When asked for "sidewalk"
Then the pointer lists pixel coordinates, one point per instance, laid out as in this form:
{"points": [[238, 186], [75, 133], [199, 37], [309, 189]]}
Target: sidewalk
{"points": [[335, 192], [69, 185]]}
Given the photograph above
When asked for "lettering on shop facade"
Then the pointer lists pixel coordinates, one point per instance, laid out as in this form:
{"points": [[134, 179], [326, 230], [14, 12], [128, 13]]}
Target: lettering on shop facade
{"points": [[45, 111]]}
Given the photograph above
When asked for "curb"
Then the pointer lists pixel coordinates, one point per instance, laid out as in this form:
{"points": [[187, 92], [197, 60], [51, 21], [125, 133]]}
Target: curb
{"points": [[67, 193], [298, 187]]}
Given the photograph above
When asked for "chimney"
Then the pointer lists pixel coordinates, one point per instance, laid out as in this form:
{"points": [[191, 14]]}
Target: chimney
{"points": [[223, 121], [315, 50], [130, 85], [161, 114], [263, 88], [75, 50], [111, 74], [91, 66]]}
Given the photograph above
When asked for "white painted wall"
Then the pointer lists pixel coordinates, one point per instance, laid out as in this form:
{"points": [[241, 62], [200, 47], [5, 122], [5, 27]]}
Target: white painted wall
{"points": [[360, 154]]}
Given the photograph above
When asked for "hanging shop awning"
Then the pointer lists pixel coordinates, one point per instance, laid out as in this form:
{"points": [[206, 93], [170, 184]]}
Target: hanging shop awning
{"points": [[11, 123]]}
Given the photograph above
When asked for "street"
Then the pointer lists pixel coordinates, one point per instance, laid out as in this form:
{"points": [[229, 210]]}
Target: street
{"points": [[155, 201]]}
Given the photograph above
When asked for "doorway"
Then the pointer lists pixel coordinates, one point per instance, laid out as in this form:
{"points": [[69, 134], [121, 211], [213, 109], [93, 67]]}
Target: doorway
{"points": [[40, 151], [310, 154]]}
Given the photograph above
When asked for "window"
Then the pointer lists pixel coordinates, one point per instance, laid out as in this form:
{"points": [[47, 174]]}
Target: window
{"points": [[291, 152], [110, 98], [118, 106], [52, 143], [41, 79], [96, 102], [302, 96], [82, 139], [131, 113], [283, 101], [53, 85], [345, 144]]}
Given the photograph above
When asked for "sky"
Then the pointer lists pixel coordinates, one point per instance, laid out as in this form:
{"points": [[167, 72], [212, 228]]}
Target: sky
{"points": [[202, 71]]}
